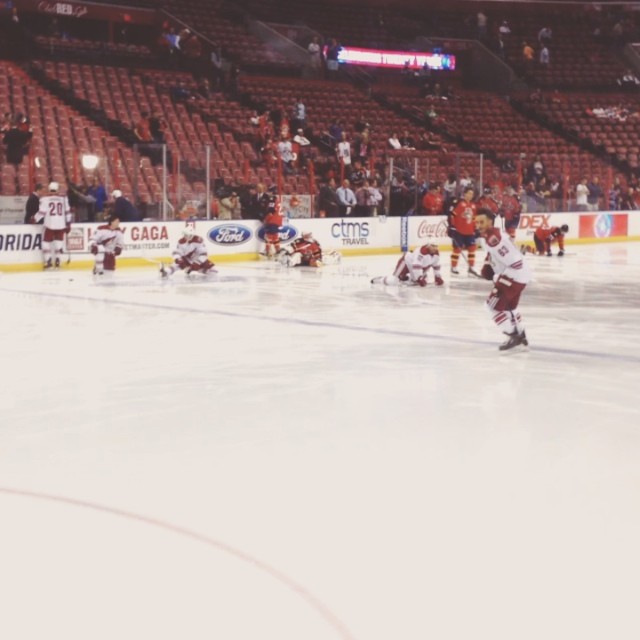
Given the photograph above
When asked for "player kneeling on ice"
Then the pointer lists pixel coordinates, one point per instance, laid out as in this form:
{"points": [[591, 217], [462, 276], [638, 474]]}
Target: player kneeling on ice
{"points": [[190, 255], [106, 244], [506, 267], [302, 252], [413, 267], [544, 237]]}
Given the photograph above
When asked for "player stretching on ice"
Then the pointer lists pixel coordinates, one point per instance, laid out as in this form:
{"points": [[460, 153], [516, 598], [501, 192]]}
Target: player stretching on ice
{"points": [[544, 237], [190, 255], [510, 273], [413, 267], [302, 252], [106, 244]]}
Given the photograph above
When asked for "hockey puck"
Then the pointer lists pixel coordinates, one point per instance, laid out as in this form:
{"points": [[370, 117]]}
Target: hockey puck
{"points": [[70, 279]]}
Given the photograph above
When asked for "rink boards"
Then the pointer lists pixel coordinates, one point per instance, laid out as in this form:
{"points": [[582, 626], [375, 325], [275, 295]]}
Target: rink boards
{"points": [[145, 242]]}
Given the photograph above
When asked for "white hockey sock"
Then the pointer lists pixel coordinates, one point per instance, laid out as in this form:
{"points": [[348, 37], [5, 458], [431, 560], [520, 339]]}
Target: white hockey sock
{"points": [[516, 320], [504, 321], [99, 266], [46, 251]]}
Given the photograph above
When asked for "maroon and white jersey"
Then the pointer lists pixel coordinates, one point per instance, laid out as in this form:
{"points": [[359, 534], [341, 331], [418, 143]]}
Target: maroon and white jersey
{"points": [[107, 238], [191, 250], [505, 257], [54, 212], [420, 260]]}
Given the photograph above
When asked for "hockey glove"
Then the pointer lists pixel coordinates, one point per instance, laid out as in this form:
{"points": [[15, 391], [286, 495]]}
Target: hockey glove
{"points": [[487, 272], [422, 281], [117, 251], [94, 249]]}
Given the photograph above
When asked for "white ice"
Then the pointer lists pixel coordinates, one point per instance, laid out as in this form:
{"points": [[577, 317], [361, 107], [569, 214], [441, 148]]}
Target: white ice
{"points": [[301, 455]]}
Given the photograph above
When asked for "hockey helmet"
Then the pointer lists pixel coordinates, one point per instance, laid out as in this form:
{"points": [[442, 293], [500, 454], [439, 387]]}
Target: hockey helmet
{"points": [[564, 228], [188, 232], [54, 186], [307, 235]]}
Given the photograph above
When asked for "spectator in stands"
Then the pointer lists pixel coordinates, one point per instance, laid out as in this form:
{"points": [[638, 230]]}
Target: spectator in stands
{"points": [[299, 115], [315, 56], [123, 208], [335, 132], [333, 52], [394, 141], [375, 199], [542, 194], [481, 23], [450, 189], [343, 152], [358, 174], [544, 36], [97, 191], [32, 205], [215, 70], [554, 200], [286, 155], [234, 77], [191, 48], [173, 41], [304, 147], [328, 202], [433, 200], [429, 142], [361, 124], [615, 195], [142, 129], [346, 198], [258, 205], [362, 208], [17, 140], [362, 147], [504, 29], [466, 182], [545, 56], [157, 128], [629, 81], [528, 56], [595, 193], [204, 89], [582, 194], [627, 200], [229, 208], [407, 141]]}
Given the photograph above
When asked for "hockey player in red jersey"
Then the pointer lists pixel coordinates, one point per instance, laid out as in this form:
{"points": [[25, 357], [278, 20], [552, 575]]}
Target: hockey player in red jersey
{"points": [[106, 244], [55, 214], [190, 255], [414, 266], [272, 222], [544, 237], [302, 252], [462, 230], [510, 210], [507, 268]]}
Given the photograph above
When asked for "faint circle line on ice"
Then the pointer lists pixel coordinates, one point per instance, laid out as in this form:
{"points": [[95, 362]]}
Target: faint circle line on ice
{"points": [[309, 599]]}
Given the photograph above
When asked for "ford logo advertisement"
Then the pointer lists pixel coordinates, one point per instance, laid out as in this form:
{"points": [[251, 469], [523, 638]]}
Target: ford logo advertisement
{"points": [[286, 233], [229, 234]]}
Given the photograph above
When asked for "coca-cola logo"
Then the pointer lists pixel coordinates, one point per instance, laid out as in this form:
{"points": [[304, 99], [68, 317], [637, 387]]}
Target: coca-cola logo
{"points": [[432, 229], [229, 234]]}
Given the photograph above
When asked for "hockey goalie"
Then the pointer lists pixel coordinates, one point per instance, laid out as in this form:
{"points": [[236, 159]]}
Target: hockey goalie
{"points": [[306, 252], [413, 267], [190, 255]]}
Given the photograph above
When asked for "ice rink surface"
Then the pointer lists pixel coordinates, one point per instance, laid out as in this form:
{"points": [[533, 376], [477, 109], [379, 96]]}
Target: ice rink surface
{"points": [[300, 455]]}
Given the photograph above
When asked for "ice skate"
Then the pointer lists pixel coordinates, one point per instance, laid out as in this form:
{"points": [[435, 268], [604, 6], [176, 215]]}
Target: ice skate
{"points": [[57, 264], [455, 271], [515, 340], [47, 265], [97, 272], [474, 273], [164, 273]]}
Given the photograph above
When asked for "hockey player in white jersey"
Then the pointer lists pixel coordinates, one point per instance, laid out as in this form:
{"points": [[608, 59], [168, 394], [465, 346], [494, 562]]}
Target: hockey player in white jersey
{"points": [[106, 244], [510, 273], [55, 214], [189, 255], [414, 266]]}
